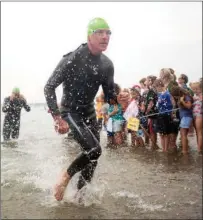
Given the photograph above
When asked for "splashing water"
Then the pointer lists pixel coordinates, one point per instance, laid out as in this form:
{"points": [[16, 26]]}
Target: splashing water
{"points": [[137, 202]]}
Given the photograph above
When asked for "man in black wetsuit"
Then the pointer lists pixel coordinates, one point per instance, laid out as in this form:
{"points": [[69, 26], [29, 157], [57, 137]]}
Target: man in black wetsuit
{"points": [[82, 72], [12, 106]]}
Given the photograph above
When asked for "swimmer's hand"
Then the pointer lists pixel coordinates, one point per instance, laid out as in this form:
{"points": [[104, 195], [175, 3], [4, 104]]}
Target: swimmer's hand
{"points": [[61, 126]]}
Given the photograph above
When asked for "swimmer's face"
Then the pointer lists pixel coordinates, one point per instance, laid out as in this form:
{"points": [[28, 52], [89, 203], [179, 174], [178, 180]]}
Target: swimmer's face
{"points": [[16, 95], [99, 40]]}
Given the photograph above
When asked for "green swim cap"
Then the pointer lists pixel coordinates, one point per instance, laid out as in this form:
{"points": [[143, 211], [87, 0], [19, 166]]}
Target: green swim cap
{"points": [[16, 90], [95, 24]]}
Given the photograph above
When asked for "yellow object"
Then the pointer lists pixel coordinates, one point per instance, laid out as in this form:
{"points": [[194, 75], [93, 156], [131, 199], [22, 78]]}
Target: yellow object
{"points": [[98, 109], [133, 124]]}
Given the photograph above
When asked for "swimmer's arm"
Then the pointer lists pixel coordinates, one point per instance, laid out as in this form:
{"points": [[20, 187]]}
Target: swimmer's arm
{"points": [[57, 77], [6, 105], [108, 84], [26, 106]]}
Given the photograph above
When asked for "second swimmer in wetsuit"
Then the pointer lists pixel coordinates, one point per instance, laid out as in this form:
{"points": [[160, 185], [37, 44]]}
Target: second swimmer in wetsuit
{"points": [[12, 107], [82, 72]]}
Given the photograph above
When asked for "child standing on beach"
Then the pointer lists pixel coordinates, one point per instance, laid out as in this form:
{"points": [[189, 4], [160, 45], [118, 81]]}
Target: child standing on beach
{"points": [[164, 118], [132, 111], [150, 108], [185, 104], [115, 123], [197, 112]]}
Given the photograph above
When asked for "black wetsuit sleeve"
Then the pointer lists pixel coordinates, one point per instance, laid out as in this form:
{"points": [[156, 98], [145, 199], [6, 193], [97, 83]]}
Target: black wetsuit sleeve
{"points": [[108, 84], [57, 77], [26, 106], [6, 105]]}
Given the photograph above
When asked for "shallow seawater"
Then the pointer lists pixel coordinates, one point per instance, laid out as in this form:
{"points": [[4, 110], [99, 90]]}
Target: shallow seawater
{"points": [[128, 183]]}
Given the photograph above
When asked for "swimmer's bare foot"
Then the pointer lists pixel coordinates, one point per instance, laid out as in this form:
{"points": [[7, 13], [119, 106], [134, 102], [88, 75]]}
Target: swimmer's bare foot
{"points": [[60, 187]]}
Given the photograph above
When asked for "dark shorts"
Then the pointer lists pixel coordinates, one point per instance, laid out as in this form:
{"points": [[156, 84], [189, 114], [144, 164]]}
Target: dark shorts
{"points": [[152, 125], [175, 126], [164, 124], [110, 134]]}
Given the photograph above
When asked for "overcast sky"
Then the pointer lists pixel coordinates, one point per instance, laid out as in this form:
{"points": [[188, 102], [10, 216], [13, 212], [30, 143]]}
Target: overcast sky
{"points": [[145, 38]]}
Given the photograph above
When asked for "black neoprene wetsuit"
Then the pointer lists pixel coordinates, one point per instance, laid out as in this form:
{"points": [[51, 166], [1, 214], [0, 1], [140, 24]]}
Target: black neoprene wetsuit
{"points": [[81, 74], [11, 125]]}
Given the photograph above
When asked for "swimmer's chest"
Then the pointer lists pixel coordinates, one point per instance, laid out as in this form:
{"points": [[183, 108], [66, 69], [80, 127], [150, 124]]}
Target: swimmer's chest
{"points": [[89, 71]]}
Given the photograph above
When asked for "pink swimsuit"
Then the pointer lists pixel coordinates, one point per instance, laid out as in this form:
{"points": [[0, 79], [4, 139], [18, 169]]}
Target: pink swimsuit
{"points": [[197, 106]]}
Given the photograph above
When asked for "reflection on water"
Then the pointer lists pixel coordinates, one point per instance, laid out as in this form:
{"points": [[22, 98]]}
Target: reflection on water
{"points": [[9, 144]]}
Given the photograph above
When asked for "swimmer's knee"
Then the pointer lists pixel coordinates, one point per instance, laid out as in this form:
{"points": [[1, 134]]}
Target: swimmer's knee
{"points": [[95, 153]]}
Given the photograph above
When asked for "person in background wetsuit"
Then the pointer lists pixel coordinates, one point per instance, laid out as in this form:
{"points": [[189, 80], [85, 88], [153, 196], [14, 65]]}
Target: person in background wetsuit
{"points": [[12, 106], [81, 72]]}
